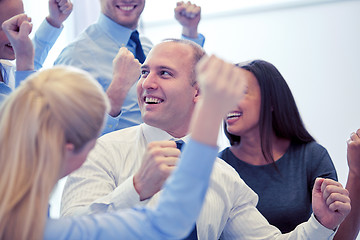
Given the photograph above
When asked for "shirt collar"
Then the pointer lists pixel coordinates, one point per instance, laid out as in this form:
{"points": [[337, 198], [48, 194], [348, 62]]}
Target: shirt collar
{"points": [[118, 33], [152, 134], [7, 66]]}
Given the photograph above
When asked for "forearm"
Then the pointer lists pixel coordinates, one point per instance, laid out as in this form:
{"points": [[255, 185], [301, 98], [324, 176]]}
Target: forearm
{"points": [[117, 99], [24, 62], [117, 92], [44, 39], [205, 124], [190, 32], [349, 228]]}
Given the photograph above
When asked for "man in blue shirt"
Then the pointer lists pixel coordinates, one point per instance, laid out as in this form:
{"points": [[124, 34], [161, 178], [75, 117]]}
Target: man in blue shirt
{"points": [[95, 49]]}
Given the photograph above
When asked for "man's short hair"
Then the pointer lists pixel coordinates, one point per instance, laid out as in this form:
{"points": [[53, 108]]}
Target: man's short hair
{"points": [[198, 53]]}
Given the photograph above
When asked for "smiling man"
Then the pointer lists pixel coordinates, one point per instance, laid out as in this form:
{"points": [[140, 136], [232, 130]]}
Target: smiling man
{"points": [[95, 49], [115, 176]]}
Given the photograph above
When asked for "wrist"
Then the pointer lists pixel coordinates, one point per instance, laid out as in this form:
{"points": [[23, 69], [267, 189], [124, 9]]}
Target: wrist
{"points": [[204, 122], [116, 98], [24, 65], [137, 188], [190, 32], [53, 23], [333, 228]]}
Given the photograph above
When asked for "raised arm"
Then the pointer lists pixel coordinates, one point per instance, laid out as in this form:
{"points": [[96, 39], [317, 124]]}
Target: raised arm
{"points": [[59, 11], [50, 29], [188, 15], [17, 29], [349, 229], [126, 71]]}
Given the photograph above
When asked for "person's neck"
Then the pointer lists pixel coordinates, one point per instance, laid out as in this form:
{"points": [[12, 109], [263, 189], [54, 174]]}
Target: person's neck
{"points": [[132, 27], [175, 130], [249, 150], [177, 134]]}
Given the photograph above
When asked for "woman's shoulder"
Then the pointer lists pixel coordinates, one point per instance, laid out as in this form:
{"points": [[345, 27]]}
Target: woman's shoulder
{"points": [[225, 153], [312, 146]]}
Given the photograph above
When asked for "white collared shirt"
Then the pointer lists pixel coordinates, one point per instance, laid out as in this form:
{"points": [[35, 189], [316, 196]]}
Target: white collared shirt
{"points": [[105, 183]]}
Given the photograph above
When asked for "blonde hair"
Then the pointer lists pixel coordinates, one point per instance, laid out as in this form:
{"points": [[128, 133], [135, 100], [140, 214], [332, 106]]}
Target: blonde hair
{"points": [[50, 109]]}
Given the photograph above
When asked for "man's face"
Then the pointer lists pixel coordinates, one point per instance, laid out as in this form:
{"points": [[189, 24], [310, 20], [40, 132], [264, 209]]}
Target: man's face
{"points": [[165, 94], [8, 9], [123, 12]]}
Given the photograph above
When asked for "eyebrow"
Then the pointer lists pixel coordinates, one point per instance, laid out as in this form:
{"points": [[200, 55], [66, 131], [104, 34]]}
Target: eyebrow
{"points": [[161, 67]]}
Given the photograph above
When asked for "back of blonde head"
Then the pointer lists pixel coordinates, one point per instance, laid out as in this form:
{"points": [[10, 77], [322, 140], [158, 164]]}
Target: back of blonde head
{"points": [[50, 109]]}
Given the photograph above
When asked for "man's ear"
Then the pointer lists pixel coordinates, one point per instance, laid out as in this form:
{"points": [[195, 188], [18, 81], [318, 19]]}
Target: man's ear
{"points": [[69, 147], [197, 93]]}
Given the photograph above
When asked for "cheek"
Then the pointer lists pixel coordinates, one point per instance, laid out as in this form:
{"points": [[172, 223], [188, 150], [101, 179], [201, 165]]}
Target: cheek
{"points": [[3, 38], [139, 87], [243, 103]]}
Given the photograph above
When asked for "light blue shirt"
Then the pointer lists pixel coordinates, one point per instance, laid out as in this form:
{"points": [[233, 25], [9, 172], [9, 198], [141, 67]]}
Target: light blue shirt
{"points": [[7, 72], [44, 39], [173, 218], [94, 51]]}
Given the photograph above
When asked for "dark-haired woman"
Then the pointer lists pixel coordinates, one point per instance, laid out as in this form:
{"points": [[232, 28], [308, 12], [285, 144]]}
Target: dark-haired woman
{"points": [[272, 150]]}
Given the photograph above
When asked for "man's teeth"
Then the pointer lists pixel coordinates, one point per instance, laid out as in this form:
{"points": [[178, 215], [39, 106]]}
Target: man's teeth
{"points": [[152, 100], [126, 8], [234, 115]]}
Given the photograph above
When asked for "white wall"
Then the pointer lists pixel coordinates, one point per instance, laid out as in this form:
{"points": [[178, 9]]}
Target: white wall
{"points": [[315, 47]]}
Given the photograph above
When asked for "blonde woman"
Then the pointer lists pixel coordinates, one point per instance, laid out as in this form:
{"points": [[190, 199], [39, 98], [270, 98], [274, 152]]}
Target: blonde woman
{"points": [[54, 118]]}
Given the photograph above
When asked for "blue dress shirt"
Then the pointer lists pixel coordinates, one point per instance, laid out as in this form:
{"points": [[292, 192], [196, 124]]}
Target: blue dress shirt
{"points": [[6, 71], [94, 51], [173, 218], [4, 91]]}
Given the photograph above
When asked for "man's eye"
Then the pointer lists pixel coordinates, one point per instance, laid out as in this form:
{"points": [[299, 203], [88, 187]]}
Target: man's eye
{"points": [[165, 73], [144, 73]]}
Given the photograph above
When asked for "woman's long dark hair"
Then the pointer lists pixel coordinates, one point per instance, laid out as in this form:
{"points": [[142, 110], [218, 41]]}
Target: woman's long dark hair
{"points": [[278, 110]]}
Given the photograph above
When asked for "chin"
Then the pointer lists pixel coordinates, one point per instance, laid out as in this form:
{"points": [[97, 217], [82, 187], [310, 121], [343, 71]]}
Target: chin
{"points": [[8, 57]]}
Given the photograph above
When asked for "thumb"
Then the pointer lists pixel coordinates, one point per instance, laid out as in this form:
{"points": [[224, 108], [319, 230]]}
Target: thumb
{"points": [[317, 185]]}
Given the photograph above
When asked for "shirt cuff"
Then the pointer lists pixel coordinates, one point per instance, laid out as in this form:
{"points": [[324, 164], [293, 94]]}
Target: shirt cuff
{"points": [[199, 40], [111, 124], [125, 195], [21, 76], [48, 33], [318, 231]]}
